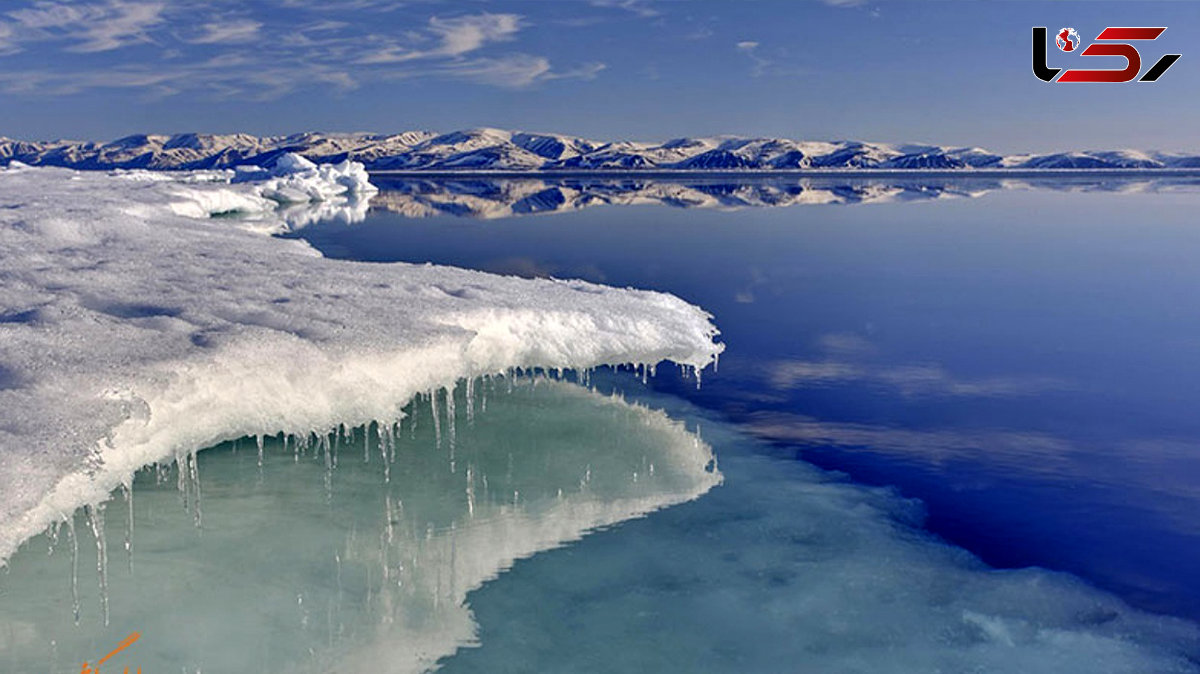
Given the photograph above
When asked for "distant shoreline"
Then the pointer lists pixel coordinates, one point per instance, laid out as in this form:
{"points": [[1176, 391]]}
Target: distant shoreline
{"points": [[789, 173]]}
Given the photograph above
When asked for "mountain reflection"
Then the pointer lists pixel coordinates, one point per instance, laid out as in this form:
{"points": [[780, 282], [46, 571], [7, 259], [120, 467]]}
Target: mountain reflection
{"points": [[501, 197]]}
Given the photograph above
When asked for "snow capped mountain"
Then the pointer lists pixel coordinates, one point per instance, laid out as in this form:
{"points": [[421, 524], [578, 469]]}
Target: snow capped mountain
{"points": [[488, 149]]}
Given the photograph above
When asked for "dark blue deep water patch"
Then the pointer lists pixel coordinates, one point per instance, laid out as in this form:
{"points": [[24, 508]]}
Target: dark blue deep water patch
{"points": [[1024, 361]]}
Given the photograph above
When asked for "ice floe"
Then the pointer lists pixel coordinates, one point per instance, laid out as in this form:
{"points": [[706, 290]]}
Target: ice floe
{"points": [[136, 327]]}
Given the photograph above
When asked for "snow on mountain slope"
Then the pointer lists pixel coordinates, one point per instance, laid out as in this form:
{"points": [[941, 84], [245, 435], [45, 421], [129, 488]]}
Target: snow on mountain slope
{"points": [[485, 149], [553, 146]]}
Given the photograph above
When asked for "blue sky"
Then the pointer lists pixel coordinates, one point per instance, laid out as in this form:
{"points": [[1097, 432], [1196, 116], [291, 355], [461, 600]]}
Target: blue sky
{"points": [[943, 72]]}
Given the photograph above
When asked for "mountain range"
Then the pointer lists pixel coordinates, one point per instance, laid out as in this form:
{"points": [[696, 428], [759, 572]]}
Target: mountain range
{"points": [[488, 149]]}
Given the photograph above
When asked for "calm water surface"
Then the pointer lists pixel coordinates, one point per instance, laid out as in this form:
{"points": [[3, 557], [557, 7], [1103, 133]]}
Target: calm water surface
{"points": [[1012, 367], [1025, 362]]}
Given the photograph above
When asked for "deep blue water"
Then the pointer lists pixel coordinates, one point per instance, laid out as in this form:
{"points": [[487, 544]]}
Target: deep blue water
{"points": [[1025, 362]]}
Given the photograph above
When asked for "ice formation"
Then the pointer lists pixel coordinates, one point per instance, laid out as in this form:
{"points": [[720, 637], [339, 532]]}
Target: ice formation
{"points": [[294, 179], [136, 327]]}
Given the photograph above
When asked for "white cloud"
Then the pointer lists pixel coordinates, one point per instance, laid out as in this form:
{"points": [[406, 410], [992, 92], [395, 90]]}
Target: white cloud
{"points": [[228, 32], [226, 76], [287, 56], [640, 7], [468, 33], [455, 37], [517, 70], [512, 71], [750, 48], [342, 6], [7, 43], [92, 27]]}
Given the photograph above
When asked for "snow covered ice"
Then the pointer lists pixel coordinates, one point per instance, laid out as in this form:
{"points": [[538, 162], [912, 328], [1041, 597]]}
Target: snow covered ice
{"points": [[135, 327]]}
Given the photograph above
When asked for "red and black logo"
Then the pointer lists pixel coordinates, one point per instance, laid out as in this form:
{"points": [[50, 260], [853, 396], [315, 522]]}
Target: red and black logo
{"points": [[1106, 44]]}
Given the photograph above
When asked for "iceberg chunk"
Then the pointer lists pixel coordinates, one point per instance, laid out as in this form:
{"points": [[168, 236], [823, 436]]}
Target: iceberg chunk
{"points": [[294, 179], [135, 328]]}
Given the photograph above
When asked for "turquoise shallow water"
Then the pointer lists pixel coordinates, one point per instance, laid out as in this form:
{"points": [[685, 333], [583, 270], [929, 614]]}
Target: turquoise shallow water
{"points": [[350, 552]]}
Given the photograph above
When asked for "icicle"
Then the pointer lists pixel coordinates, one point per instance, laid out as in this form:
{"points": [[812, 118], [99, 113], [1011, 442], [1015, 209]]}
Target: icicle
{"points": [[412, 417], [127, 490], [437, 422], [450, 422], [74, 540], [470, 400], [337, 442], [259, 439], [52, 535], [385, 437], [696, 373], [327, 450], [95, 516], [194, 476], [366, 443], [181, 482], [487, 383]]}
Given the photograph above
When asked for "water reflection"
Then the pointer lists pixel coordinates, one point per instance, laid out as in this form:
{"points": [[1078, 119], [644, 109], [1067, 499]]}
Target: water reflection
{"points": [[348, 552], [1025, 363], [489, 198], [342, 210]]}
